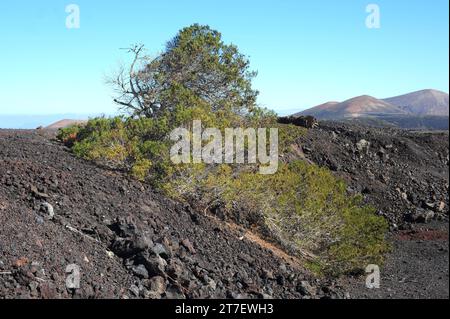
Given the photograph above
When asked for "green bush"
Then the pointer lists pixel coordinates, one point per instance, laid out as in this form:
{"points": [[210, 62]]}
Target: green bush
{"points": [[303, 207], [69, 135]]}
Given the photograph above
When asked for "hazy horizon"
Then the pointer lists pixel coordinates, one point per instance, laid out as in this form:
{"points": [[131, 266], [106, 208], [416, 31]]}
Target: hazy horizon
{"points": [[31, 121]]}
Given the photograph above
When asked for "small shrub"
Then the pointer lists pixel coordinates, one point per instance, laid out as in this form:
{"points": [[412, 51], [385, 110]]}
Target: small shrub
{"points": [[141, 169], [69, 135], [305, 207]]}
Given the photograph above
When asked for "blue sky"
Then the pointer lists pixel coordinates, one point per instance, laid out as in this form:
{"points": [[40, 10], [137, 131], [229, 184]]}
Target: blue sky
{"points": [[306, 52]]}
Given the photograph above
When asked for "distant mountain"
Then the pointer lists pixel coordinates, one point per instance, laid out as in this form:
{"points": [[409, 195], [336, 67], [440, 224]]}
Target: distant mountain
{"points": [[11, 121], [8, 121], [320, 110], [426, 109], [425, 102], [64, 123], [360, 106]]}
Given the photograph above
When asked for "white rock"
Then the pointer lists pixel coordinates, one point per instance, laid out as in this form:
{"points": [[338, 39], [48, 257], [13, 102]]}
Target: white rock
{"points": [[48, 209]]}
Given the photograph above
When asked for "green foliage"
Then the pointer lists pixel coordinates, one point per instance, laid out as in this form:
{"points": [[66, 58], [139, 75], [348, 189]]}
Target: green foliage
{"points": [[303, 206], [69, 135], [140, 169], [198, 77], [195, 67], [103, 140], [287, 136]]}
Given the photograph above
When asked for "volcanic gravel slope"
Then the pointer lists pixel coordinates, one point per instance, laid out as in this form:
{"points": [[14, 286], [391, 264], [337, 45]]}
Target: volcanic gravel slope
{"points": [[405, 175], [131, 242], [128, 241]]}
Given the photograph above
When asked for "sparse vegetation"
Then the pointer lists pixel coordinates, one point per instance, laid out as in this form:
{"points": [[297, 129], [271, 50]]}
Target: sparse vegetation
{"points": [[198, 77]]}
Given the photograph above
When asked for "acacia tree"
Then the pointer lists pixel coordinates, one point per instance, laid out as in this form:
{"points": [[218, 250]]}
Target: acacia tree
{"points": [[195, 64]]}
